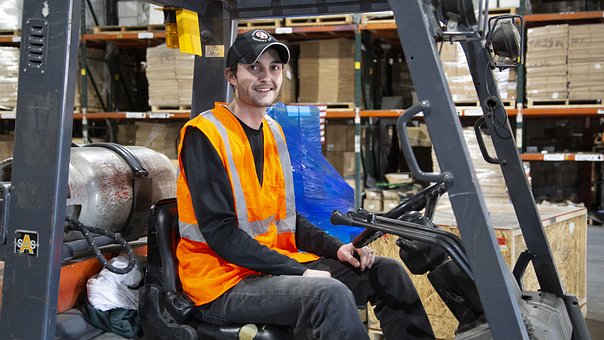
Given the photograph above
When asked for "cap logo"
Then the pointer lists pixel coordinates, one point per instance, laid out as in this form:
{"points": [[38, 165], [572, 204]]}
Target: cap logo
{"points": [[260, 36]]}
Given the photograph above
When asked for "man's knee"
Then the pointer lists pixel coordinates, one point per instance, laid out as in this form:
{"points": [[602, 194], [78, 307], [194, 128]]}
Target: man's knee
{"points": [[335, 292]]}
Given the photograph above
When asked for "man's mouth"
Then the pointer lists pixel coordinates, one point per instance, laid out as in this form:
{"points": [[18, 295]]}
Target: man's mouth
{"points": [[264, 89]]}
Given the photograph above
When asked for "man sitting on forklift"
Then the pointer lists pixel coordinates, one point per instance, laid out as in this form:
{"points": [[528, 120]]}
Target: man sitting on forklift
{"points": [[245, 256]]}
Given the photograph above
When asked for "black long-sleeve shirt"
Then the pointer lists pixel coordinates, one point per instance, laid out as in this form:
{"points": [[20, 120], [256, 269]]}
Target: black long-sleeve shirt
{"points": [[214, 208]]}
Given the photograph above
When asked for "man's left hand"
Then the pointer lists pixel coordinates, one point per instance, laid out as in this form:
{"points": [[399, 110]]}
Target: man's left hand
{"points": [[366, 256]]}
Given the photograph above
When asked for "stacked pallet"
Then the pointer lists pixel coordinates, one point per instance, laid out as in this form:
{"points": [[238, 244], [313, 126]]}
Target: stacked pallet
{"points": [[546, 67], [461, 83], [170, 77], [586, 62], [326, 71], [9, 76], [160, 137], [99, 71]]}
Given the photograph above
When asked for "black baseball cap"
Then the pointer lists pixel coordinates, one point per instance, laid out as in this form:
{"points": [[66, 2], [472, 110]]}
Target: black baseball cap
{"points": [[249, 46]]}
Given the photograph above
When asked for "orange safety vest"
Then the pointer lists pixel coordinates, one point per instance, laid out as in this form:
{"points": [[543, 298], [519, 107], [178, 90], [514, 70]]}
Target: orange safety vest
{"points": [[267, 212]]}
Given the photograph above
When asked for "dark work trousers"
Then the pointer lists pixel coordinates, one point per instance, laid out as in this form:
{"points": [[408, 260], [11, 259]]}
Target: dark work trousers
{"points": [[326, 306]]}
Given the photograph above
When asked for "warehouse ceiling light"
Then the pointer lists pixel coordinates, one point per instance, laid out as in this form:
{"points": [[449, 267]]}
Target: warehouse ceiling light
{"points": [[504, 41]]}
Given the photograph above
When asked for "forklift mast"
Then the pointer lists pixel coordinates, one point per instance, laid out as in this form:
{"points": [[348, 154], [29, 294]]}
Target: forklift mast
{"points": [[38, 191]]}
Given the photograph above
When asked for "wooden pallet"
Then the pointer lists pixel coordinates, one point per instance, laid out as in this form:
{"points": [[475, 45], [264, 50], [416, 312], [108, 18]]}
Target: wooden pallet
{"points": [[319, 21], [502, 10], [335, 107], [378, 18], [260, 23], [171, 108], [125, 29], [8, 33], [570, 103]]}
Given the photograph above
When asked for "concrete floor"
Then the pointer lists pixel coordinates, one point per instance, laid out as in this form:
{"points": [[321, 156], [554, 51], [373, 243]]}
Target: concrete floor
{"points": [[595, 282]]}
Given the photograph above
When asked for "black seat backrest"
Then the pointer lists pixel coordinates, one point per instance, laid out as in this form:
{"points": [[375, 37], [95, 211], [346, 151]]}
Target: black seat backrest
{"points": [[163, 236]]}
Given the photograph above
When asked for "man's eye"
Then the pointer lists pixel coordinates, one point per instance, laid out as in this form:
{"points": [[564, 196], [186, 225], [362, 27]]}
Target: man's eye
{"points": [[253, 68], [276, 67]]}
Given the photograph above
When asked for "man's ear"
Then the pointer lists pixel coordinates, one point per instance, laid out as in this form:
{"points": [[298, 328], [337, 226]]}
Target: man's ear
{"points": [[230, 76]]}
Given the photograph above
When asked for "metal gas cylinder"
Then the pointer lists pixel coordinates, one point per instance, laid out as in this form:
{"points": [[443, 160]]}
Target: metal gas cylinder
{"points": [[102, 190], [105, 193]]}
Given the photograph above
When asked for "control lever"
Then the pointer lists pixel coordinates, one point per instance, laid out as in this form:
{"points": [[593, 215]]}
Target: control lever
{"points": [[367, 236]]}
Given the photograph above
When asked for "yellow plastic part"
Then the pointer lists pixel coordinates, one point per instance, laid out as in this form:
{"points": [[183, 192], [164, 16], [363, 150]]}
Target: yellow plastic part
{"points": [[188, 32]]}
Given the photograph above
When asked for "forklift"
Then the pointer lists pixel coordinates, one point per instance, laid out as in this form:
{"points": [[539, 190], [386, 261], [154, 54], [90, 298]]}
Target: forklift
{"points": [[34, 200]]}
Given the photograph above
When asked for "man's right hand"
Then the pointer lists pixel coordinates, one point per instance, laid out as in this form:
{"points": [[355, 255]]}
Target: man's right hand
{"points": [[316, 273]]}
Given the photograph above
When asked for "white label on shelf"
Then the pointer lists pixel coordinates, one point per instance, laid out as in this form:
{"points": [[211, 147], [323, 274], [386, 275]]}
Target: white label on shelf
{"points": [[145, 35], [601, 111], [553, 157], [16, 39], [593, 157], [472, 112], [283, 30], [160, 115], [7, 115], [135, 115]]}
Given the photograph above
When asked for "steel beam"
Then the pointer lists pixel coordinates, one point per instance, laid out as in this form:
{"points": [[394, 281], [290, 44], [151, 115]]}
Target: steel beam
{"points": [[498, 291], [49, 49], [518, 188]]}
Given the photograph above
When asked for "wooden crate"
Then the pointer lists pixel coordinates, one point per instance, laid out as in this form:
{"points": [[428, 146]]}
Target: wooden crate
{"points": [[566, 229]]}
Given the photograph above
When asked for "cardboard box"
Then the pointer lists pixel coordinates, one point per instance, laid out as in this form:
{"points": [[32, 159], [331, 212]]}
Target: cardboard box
{"points": [[390, 204], [373, 194], [336, 137], [348, 163], [336, 159], [372, 205]]}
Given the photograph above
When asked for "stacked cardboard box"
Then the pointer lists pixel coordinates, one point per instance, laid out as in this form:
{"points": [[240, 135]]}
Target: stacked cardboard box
{"points": [[132, 13], [126, 133], [10, 12], [460, 80], [98, 7], [99, 70], [160, 137], [546, 67], [288, 87], [9, 76], [489, 176], [586, 62], [6, 146], [402, 85], [339, 148], [170, 76], [326, 71]]}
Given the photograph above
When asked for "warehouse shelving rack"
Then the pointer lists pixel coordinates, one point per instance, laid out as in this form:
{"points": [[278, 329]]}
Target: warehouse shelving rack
{"points": [[144, 39]]}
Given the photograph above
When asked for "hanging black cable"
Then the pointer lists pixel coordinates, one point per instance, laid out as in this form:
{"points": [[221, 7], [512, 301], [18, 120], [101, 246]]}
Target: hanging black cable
{"points": [[75, 225]]}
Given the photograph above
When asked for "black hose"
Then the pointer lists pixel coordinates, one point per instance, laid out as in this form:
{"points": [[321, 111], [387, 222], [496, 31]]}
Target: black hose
{"points": [[75, 225]]}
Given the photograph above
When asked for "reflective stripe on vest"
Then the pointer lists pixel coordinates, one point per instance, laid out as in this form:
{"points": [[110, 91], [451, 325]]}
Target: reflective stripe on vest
{"points": [[255, 228]]}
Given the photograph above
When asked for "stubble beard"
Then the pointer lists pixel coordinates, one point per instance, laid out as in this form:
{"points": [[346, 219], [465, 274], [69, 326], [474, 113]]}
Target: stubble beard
{"points": [[248, 97]]}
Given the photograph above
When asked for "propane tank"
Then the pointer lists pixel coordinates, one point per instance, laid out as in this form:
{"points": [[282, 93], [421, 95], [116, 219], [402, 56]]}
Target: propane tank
{"points": [[104, 191]]}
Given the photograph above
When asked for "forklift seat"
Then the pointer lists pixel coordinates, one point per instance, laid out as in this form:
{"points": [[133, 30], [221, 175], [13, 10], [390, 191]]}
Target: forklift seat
{"points": [[166, 312]]}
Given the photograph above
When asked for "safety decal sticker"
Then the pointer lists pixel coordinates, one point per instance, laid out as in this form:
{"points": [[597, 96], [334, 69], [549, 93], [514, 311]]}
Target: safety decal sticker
{"points": [[26, 242]]}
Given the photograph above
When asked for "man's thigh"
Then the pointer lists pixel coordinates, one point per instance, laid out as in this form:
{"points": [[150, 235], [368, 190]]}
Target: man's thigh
{"points": [[280, 300]]}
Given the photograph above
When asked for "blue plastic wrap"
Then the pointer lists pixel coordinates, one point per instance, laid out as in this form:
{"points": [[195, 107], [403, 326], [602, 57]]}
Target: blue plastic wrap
{"points": [[318, 186]]}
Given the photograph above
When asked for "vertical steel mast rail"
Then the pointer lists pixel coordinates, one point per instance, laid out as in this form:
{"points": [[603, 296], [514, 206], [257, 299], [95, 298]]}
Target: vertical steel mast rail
{"points": [[499, 293], [518, 188], [43, 136], [49, 54]]}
